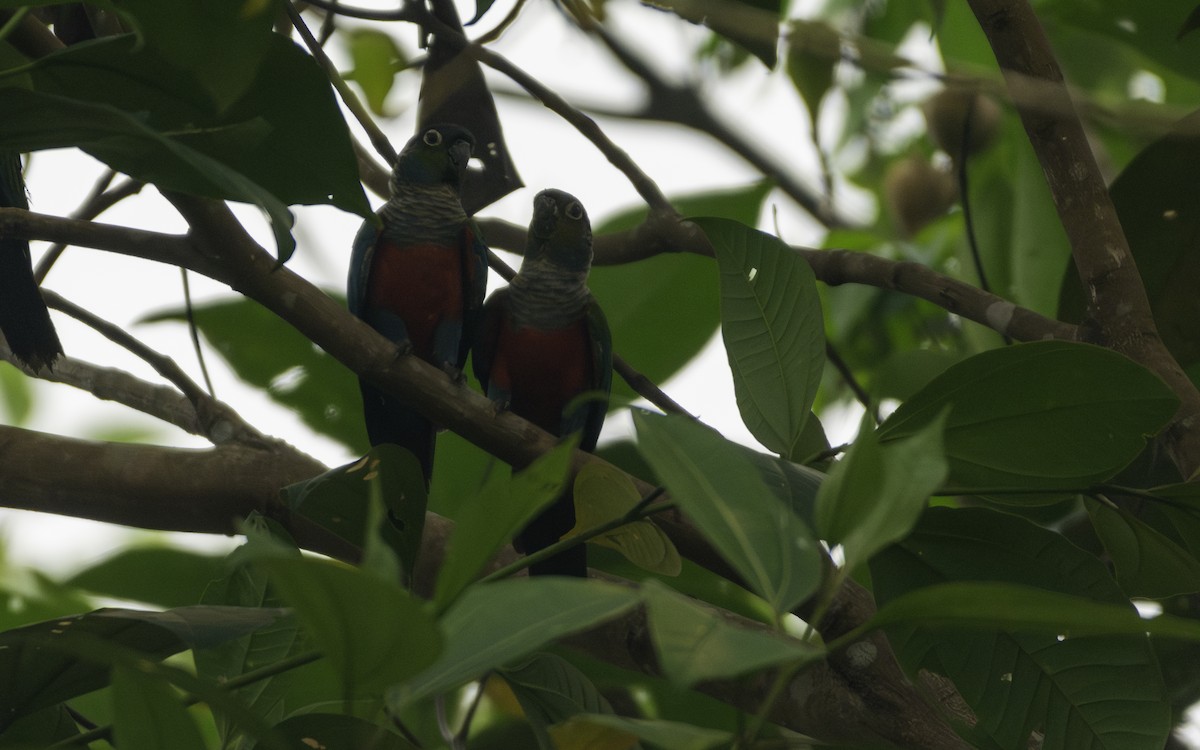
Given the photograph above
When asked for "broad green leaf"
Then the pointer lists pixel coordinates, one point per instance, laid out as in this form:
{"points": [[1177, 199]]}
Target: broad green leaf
{"points": [[373, 632], [272, 356], [339, 732], [813, 49], [288, 109], [1033, 630], [583, 734], [551, 690], [643, 299], [498, 623], [377, 58], [1046, 415], [987, 605], [724, 494], [149, 714], [155, 575], [184, 34], [660, 733], [35, 675], [1157, 198], [798, 485], [16, 397], [1148, 564], [741, 204], [875, 494], [459, 471], [695, 643], [603, 494], [773, 329], [342, 501], [752, 24], [499, 511], [35, 121], [40, 729], [1152, 29], [271, 698]]}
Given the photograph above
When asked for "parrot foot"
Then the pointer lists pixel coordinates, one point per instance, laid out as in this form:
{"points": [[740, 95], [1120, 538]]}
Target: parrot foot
{"points": [[456, 375], [499, 405], [405, 347]]}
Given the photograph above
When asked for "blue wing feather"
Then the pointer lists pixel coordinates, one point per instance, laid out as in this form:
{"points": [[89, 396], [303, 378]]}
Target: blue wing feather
{"points": [[360, 266]]}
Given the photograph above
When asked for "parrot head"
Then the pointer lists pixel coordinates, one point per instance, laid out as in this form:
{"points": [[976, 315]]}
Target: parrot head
{"points": [[560, 231], [438, 155]]}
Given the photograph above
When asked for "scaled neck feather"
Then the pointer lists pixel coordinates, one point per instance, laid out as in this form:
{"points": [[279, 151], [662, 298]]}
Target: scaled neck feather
{"points": [[423, 213], [547, 296]]}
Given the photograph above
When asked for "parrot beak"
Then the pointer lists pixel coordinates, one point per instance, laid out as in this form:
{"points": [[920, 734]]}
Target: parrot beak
{"points": [[460, 154]]}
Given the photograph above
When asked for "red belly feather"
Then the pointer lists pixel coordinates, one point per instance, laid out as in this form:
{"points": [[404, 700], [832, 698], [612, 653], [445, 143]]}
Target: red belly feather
{"points": [[543, 370], [420, 283]]}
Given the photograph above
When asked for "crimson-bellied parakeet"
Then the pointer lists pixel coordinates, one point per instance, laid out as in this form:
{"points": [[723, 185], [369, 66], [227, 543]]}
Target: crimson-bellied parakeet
{"points": [[543, 342], [24, 319], [420, 279]]}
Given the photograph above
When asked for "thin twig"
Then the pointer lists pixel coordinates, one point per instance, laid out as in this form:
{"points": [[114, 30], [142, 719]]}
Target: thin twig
{"points": [[860, 393], [99, 200], [218, 422], [380, 141], [194, 332]]}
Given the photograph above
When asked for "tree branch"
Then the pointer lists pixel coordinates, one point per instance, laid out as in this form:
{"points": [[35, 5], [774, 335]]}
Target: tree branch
{"points": [[1118, 309], [833, 267]]}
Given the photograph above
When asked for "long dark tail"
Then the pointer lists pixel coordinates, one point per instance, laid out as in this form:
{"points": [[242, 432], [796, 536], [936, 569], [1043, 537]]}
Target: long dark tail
{"points": [[24, 319], [545, 530], [389, 422]]}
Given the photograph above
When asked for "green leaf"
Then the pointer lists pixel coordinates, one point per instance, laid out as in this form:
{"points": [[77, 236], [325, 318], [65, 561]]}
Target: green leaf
{"points": [[16, 397], [724, 494], [1148, 564], [640, 300], [342, 501], [149, 715], [1046, 415], [273, 357], [987, 605], [339, 732], [155, 575], [497, 623], [38, 667], [752, 24], [40, 729], [695, 643], [603, 494], [376, 58], [274, 697], [813, 50], [1157, 198], [550, 690], [875, 494], [35, 121], [1032, 630], [184, 34], [373, 632], [668, 735], [643, 299], [773, 329], [502, 508], [1151, 29]]}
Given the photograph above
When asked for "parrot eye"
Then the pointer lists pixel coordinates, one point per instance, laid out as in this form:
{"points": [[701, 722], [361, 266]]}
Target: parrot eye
{"points": [[574, 210], [432, 138]]}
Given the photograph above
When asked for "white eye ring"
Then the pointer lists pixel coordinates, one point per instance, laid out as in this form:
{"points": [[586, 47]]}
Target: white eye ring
{"points": [[432, 138], [574, 210]]}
